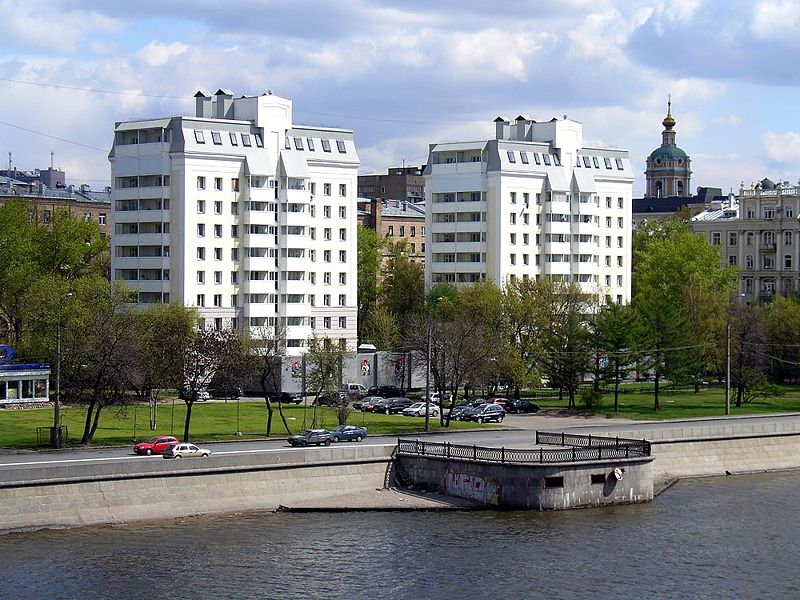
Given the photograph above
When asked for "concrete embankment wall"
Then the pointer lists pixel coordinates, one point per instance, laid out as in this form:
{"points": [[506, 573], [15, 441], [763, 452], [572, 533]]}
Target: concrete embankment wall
{"points": [[740, 445], [70, 496]]}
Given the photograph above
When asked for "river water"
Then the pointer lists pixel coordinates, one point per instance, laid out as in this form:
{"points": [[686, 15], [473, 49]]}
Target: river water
{"points": [[734, 537]]}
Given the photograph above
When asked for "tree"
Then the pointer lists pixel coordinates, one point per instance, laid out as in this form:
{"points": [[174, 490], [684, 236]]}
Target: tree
{"points": [[748, 359], [369, 265], [266, 351], [212, 351], [402, 290], [324, 365], [612, 336], [782, 321], [661, 336], [18, 270], [382, 328]]}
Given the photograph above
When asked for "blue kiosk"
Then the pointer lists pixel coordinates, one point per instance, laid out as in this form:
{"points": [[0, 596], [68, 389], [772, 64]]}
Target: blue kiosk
{"points": [[22, 382]]}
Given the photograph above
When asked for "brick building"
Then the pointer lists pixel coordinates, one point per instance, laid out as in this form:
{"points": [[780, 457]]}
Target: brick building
{"points": [[396, 220]]}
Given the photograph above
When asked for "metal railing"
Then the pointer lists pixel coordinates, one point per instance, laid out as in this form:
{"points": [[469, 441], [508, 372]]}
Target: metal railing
{"points": [[579, 448]]}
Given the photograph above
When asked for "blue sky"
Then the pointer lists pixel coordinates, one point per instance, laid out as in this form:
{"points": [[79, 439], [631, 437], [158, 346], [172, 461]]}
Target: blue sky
{"points": [[405, 74]]}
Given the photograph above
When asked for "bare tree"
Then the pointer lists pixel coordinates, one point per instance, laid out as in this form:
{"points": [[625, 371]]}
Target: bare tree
{"points": [[266, 351], [324, 364]]}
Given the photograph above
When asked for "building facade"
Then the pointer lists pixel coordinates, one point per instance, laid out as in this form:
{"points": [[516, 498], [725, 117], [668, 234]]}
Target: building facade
{"points": [[396, 220], [668, 170], [758, 233], [399, 183], [242, 214], [531, 202]]}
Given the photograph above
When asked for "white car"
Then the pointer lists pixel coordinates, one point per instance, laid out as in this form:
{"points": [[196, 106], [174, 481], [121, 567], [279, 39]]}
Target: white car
{"points": [[185, 450], [418, 409]]}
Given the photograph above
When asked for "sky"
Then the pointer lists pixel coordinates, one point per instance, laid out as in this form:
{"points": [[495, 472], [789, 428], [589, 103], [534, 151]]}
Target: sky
{"points": [[404, 74]]}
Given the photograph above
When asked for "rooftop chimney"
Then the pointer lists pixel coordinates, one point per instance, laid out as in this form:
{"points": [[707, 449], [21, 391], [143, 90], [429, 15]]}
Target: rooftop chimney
{"points": [[224, 107], [202, 104]]}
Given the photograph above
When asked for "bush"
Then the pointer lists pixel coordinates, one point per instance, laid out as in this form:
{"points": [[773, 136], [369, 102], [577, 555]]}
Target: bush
{"points": [[591, 398]]}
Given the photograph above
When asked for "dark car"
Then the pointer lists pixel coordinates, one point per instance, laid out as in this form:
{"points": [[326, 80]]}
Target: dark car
{"points": [[392, 406], [457, 414], [286, 398], [374, 401], [522, 406], [487, 412], [385, 391], [334, 399], [226, 391], [310, 437], [348, 433], [361, 404]]}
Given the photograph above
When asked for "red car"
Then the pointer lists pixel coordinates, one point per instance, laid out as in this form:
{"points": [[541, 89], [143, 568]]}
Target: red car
{"points": [[155, 445]]}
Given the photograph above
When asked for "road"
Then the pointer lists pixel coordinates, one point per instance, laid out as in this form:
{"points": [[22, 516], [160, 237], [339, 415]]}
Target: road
{"points": [[519, 434]]}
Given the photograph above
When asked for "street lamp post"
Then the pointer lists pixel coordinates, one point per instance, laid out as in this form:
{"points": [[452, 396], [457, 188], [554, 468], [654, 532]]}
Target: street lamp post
{"points": [[55, 430]]}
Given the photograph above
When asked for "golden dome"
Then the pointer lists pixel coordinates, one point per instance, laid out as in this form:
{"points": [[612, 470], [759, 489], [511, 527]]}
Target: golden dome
{"points": [[669, 120]]}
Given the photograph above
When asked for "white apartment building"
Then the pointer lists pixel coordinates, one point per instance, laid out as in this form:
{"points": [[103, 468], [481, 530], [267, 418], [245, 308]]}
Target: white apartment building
{"points": [[241, 214], [533, 201], [758, 232]]}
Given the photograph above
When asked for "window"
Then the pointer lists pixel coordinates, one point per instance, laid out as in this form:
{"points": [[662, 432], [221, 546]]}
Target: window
{"points": [[525, 218], [342, 299], [787, 261], [751, 212], [201, 230], [326, 278], [326, 145], [326, 256], [326, 322], [101, 218], [513, 218], [513, 238], [217, 207], [342, 278], [217, 278], [748, 238], [217, 253], [546, 159], [298, 143], [586, 162], [342, 255], [620, 222], [536, 158], [198, 137], [343, 189], [201, 182], [620, 166], [234, 139], [607, 162], [619, 241], [733, 260], [595, 162], [310, 144], [343, 234], [201, 300], [608, 221], [402, 230], [326, 234], [341, 147], [218, 231], [619, 279], [619, 261], [216, 138], [342, 212], [788, 212], [733, 238], [748, 261], [218, 300], [524, 157], [716, 238], [259, 140], [342, 322], [326, 298], [620, 202], [234, 279], [326, 212], [326, 189], [526, 198], [525, 239], [201, 277], [312, 187], [513, 197], [234, 231], [390, 231], [513, 259], [787, 238], [246, 140], [511, 157], [235, 184], [769, 212], [234, 254]]}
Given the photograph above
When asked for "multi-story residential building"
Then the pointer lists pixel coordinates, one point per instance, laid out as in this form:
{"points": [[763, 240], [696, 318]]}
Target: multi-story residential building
{"points": [[44, 202], [758, 232], [396, 220], [399, 183], [242, 214], [533, 201]]}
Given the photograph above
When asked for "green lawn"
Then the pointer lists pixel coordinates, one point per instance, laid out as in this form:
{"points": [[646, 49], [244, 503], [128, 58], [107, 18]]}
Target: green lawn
{"points": [[682, 404], [211, 421]]}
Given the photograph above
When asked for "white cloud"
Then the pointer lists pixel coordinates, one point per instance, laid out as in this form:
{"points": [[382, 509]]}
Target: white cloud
{"points": [[782, 147], [157, 54], [492, 54], [776, 17], [730, 120]]}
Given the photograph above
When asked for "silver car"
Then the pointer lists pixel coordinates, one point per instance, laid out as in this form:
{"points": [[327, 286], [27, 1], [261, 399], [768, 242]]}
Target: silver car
{"points": [[186, 451]]}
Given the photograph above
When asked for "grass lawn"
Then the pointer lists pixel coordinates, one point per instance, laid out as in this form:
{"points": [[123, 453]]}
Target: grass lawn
{"points": [[211, 421], [682, 404]]}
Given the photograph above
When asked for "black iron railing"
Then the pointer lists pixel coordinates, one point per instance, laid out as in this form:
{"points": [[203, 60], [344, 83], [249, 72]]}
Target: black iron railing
{"points": [[579, 448]]}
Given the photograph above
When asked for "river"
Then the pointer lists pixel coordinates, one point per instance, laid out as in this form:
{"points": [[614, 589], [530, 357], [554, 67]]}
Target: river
{"points": [[734, 537]]}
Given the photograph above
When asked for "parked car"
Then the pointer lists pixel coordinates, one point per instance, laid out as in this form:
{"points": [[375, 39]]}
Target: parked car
{"points": [[186, 451], [354, 391], [486, 412], [392, 406], [202, 395], [308, 437], [385, 391], [504, 402], [361, 404], [418, 409], [348, 433], [155, 445], [334, 399], [226, 391], [457, 413], [522, 406], [286, 398], [370, 406]]}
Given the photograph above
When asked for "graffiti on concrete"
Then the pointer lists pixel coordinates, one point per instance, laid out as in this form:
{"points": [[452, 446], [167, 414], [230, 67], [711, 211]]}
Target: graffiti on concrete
{"points": [[472, 487]]}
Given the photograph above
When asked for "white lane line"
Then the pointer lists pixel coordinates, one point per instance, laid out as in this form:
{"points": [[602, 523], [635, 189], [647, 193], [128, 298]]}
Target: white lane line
{"points": [[134, 457]]}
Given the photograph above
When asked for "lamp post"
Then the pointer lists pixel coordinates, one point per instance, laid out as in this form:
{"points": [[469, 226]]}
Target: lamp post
{"points": [[428, 372], [55, 430]]}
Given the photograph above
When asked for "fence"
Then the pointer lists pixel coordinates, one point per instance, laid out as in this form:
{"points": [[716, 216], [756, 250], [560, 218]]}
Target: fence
{"points": [[582, 448]]}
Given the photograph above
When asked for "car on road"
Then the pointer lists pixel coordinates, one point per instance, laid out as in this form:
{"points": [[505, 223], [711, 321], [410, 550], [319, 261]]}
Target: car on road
{"points": [[155, 445], [486, 412], [311, 437], [418, 409], [185, 450], [348, 433], [392, 406], [522, 406], [385, 391]]}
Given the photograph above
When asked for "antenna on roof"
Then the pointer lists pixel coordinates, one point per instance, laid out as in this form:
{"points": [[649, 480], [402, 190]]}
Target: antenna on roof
{"points": [[52, 152]]}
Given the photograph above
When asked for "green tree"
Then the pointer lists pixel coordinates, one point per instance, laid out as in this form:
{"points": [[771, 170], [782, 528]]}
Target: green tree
{"points": [[782, 321], [402, 290], [370, 245], [612, 337], [748, 356], [382, 328], [324, 366], [18, 269]]}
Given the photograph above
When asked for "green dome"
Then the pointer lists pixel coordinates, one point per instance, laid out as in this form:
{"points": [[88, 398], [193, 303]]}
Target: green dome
{"points": [[668, 153]]}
